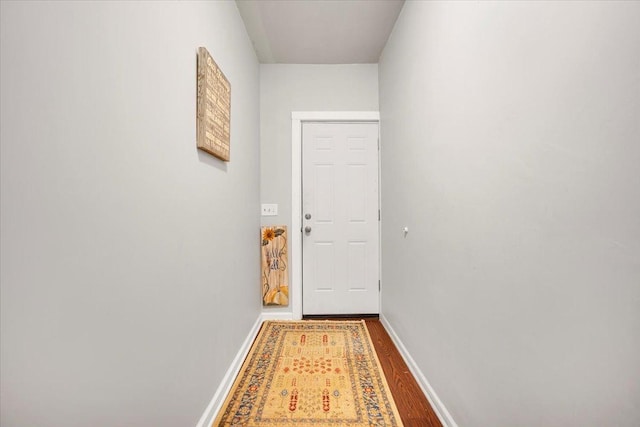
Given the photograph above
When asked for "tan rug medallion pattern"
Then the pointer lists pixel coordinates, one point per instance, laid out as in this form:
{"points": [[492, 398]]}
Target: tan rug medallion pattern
{"points": [[310, 373]]}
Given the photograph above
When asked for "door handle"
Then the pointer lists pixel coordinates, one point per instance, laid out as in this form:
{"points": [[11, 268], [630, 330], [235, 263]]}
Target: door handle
{"points": [[307, 229]]}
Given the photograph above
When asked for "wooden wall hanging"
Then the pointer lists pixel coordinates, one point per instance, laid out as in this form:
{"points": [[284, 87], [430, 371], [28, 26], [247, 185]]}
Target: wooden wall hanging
{"points": [[213, 112], [274, 268]]}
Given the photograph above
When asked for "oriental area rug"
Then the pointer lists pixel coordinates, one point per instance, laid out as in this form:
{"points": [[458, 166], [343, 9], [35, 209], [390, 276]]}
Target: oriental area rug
{"points": [[310, 373]]}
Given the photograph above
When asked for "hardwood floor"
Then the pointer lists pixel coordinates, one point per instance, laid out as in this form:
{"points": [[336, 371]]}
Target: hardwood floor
{"points": [[413, 406]]}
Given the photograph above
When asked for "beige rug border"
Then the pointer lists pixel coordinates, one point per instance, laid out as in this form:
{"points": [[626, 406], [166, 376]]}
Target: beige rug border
{"points": [[245, 364], [384, 377]]}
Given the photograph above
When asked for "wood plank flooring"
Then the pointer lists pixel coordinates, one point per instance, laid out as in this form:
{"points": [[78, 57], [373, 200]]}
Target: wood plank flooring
{"points": [[413, 406]]}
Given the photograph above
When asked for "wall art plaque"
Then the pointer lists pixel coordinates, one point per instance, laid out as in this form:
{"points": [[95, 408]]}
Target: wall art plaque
{"points": [[213, 112], [275, 273]]}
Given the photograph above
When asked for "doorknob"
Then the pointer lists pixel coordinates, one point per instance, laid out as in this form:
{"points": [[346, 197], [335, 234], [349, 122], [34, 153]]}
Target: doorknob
{"points": [[307, 229]]}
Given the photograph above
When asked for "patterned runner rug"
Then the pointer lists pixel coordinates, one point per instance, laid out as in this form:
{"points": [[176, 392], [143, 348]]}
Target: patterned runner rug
{"points": [[310, 373]]}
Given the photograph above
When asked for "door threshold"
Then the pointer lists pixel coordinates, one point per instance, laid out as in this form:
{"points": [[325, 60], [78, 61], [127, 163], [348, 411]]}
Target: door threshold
{"points": [[339, 316]]}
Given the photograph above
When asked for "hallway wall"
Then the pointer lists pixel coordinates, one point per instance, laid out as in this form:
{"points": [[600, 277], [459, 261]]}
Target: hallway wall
{"points": [[128, 257], [510, 148], [292, 87]]}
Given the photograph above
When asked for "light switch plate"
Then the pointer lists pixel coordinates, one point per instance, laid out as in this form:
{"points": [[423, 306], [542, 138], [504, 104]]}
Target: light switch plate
{"points": [[269, 209]]}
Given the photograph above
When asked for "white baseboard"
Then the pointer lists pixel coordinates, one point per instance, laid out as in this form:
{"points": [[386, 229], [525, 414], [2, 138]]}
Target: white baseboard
{"points": [[277, 316], [445, 417], [225, 386]]}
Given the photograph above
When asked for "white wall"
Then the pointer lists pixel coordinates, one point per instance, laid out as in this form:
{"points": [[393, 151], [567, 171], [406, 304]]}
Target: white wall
{"points": [[511, 150], [285, 88], [129, 258]]}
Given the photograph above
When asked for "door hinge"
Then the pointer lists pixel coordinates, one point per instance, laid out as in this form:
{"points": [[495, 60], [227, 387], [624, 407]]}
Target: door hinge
{"points": [[379, 215], [379, 286]]}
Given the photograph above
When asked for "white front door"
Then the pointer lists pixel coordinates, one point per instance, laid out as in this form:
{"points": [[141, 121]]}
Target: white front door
{"points": [[340, 217]]}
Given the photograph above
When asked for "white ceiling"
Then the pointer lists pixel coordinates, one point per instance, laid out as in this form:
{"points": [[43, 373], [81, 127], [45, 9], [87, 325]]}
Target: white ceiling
{"points": [[319, 31]]}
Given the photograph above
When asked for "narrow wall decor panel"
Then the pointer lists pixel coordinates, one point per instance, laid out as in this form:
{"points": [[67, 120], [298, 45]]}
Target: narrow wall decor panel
{"points": [[213, 112], [274, 266]]}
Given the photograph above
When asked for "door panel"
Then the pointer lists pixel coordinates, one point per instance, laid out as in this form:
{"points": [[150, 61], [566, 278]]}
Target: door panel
{"points": [[340, 194]]}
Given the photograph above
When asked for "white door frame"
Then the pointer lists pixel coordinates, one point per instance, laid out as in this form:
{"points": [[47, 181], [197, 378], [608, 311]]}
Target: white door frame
{"points": [[297, 118]]}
